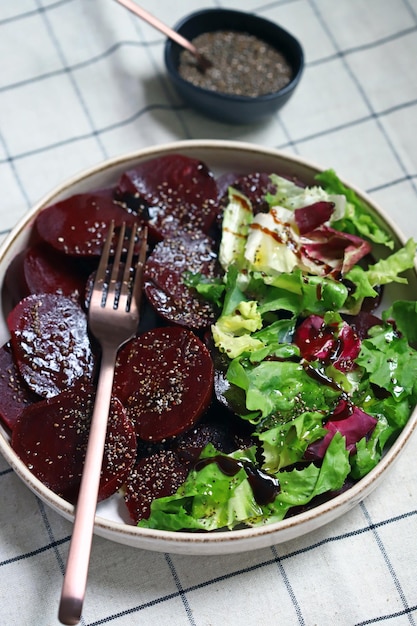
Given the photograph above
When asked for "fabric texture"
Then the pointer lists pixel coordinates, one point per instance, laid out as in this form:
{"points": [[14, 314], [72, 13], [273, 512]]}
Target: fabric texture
{"points": [[84, 80]]}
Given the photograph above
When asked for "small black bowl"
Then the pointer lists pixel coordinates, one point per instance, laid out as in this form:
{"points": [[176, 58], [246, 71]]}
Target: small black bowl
{"points": [[232, 108]]}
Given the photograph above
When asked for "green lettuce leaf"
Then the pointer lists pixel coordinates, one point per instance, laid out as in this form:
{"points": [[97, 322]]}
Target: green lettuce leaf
{"points": [[384, 271], [302, 294], [280, 388], [390, 362], [388, 270], [404, 314], [357, 219], [286, 444], [211, 289], [210, 499]]}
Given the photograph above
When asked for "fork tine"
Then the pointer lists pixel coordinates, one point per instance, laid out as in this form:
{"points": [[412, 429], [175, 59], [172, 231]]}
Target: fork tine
{"points": [[101, 273], [137, 281], [124, 299], [116, 261]]}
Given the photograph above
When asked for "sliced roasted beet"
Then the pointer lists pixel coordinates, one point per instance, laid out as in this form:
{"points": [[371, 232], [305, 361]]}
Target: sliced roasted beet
{"points": [[189, 445], [78, 225], [15, 396], [47, 271], [51, 439], [15, 287], [153, 477], [50, 343], [164, 279], [175, 191], [165, 379], [255, 186]]}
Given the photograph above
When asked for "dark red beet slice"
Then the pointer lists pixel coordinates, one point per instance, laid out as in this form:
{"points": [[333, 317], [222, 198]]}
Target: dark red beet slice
{"points": [[15, 287], [15, 396], [48, 271], [50, 343], [255, 186], [156, 476], [51, 438], [175, 191], [78, 225], [189, 445], [164, 379], [164, 279]]}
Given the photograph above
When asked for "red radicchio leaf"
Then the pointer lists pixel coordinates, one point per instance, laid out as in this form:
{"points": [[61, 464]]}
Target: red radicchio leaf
{"points": [[311, 217], [351, 422], [338, 345], [336, 250]]}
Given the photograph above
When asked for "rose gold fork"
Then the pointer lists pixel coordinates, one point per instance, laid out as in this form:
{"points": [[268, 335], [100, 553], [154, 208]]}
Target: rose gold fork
{"points": [[113, 318]]}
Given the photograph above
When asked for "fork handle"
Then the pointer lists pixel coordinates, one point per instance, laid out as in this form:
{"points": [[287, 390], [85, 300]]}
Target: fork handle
{"points": [[75, 578]]}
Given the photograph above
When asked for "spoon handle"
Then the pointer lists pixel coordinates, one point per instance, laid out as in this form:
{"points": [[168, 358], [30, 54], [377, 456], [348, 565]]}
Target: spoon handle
{"points": [[156, 23]]}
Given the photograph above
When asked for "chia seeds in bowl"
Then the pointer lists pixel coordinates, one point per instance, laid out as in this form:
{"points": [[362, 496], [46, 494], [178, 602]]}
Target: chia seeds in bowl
{"points": [[242, 65], [256, 65]]}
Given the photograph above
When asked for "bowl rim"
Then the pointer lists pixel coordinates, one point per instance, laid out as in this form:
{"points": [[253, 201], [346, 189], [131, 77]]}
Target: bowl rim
{"points": [[241, 540], [265, 98]]}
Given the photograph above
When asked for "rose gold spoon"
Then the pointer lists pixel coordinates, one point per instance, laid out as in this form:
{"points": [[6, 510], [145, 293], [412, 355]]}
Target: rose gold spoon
{"points": [[202, 61]]}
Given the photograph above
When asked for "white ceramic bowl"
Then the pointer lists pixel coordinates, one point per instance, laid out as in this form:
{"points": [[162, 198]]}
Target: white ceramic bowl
{"points": [[111, 520]]}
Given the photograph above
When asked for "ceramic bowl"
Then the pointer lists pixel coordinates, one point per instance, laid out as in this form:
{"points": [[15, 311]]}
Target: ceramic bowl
{"points": [[112, 520], [230, 108]]}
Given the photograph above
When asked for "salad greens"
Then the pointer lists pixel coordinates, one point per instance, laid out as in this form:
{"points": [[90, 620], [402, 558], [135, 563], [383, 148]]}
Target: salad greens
{"points": [[326, 384]]}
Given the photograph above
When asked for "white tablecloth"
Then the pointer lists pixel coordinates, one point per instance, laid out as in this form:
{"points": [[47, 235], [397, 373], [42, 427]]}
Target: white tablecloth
{"points": [[83, 80]]}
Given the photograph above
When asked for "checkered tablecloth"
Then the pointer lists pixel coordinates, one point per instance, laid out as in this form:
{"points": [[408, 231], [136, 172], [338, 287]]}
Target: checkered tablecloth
{"points": [[83, 80]]}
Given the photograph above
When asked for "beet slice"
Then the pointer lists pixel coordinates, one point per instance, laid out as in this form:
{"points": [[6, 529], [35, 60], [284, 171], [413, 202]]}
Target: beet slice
{"points": [[164, 378], [164, 282], [51, 439], [15, 396], [78, 225], [175, 192], [48, 271], [14, 286], [153, 477], [189, 445], [50, 343], [255, 186]]}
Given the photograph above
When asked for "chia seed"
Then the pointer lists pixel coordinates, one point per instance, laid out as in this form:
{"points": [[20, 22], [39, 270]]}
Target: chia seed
{"points": [[243, 65]]}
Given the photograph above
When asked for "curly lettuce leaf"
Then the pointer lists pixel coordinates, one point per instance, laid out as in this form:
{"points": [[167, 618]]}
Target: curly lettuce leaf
{"points": [[357, 218], [388, 270], [280, 388], [383, 272], [286, 444], [211, 289], [390, 362], [210, 499], [302, 294], [404, 314]]}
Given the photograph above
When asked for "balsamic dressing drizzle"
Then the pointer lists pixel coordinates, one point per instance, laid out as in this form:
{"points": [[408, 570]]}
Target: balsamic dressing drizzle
{"points": [[264, 486]]}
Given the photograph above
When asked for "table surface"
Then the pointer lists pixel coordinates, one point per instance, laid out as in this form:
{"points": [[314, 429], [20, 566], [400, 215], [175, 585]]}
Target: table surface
{"points": [[82, 81]]}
